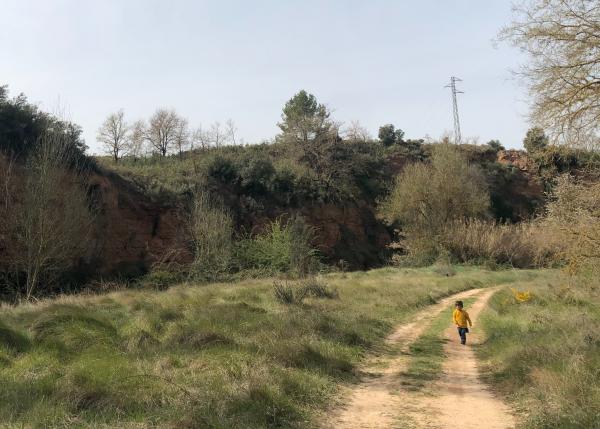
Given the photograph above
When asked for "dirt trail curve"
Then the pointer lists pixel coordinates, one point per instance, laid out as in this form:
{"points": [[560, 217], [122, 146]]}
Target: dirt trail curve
{"points": [[380, 401]]}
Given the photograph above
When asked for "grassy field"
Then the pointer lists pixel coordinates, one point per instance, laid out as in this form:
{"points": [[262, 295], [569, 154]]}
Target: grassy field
{"points": [[215, 356], [544, 354]]}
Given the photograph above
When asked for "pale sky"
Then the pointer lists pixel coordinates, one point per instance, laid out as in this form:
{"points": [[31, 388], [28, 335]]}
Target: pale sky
{"points": [[374, 61]]}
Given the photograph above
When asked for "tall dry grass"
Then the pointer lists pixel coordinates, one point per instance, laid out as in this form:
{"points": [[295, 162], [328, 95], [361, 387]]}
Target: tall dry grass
{"points": [[573, 218], [523, 245], [211, 229]]}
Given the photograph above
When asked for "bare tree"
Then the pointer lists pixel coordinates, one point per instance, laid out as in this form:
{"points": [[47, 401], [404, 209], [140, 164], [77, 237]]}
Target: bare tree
{"points": [[162, 130], [357, 133], [201, 138], [562, 38], [114, 135], [54, 221], [137, 138], [182, 136], [216, 134], [230, 131]]}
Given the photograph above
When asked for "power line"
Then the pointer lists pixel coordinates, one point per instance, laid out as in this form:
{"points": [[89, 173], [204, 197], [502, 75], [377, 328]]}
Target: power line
{"points": [[452, 86]]}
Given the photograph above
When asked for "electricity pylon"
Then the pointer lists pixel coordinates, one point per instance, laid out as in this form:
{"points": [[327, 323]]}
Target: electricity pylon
{"points": [[452, 86]]}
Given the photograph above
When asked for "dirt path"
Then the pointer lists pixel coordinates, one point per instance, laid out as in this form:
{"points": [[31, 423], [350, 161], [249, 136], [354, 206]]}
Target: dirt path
{"points": [[377, 401], [381, 402], [459, 395]]}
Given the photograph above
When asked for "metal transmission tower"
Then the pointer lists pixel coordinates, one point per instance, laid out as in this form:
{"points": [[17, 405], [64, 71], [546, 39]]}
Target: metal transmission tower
{"points": [[452, 86]]}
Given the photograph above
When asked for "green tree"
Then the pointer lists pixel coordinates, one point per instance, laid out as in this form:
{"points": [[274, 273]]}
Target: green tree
{"points": [[426, 197], [306, 127], [23, 126], [495, 145], [304, 119], [389, 135], [535, 140]]}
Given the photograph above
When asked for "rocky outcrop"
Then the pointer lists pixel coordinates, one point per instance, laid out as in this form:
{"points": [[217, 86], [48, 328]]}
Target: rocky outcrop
{"points": [[518, 158], [522, 190], [347, 234], [132, 231]]}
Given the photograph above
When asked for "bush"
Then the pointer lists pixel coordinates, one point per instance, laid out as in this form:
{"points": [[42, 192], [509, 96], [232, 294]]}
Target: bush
{"points": [[256, 175], [281, 248], [211, 229], [426, 197], [573, 220], [443, 265], [23, 126], [49, 219], [287, 294], [317, 288], [159, 280], [524, 245], [223, 170]]}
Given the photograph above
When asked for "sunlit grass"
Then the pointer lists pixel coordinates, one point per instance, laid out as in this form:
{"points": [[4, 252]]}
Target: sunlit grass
{"points": [[543, 352], [216, 356]]}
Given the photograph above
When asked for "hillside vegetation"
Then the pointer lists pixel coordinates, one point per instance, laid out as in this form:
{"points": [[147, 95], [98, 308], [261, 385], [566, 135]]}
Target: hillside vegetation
{"points": [[316, 187]]}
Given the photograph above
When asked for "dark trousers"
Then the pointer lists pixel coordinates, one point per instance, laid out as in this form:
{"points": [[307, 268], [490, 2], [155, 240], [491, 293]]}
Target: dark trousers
{"points": [[462, 332]]}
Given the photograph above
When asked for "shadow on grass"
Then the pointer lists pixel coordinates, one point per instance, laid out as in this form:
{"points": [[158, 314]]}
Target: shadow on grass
{"points": [[426, 363], [309, 357]]}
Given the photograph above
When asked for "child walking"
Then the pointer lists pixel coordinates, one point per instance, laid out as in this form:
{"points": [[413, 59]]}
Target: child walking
{"points": [[461, 318]]}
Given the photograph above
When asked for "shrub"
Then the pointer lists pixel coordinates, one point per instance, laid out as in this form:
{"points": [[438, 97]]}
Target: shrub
{"points": [[159, 279], [535, 140], [288, 294], [523, 245], [573, 220], [426, 197], [23, 127], [317, 288], [223, 170], [256, 175], [50, 222], [443, 265], [281, 248], [211, 229]]}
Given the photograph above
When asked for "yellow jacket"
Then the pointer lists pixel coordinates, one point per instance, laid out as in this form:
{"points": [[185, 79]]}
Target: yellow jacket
{"points": [[461, 317]]}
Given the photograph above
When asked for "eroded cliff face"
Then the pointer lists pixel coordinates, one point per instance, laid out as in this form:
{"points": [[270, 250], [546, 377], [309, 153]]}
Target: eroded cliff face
{"points": [[129, 233], [348, 234], [132, 232], [518, 158], [524, 191]]}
